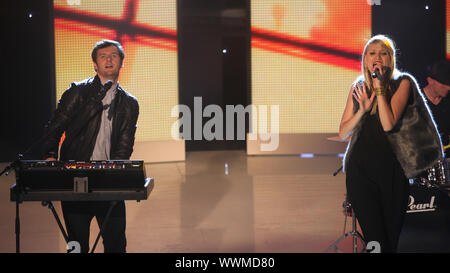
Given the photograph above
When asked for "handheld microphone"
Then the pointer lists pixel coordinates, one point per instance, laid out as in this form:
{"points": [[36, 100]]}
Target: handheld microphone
{"points": [[377, 74]]}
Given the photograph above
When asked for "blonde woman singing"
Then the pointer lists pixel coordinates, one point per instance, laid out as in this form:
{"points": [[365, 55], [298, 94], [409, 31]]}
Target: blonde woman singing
{"points": [[393, 138]]}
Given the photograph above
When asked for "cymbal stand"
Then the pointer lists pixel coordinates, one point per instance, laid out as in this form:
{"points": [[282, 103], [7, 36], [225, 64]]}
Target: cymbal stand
{"points": [[348, 211]]}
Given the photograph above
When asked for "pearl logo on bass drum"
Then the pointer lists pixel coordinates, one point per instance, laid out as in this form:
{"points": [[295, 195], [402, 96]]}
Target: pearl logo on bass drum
{"points": [[421, 207]]}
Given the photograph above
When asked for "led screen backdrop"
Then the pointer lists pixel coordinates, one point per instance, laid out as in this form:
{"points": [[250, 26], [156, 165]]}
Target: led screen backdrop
{"points": [[147, 31], [304, 57]]}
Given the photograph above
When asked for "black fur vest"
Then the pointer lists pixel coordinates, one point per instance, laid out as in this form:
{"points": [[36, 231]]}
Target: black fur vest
{"points": [[414, 138]]}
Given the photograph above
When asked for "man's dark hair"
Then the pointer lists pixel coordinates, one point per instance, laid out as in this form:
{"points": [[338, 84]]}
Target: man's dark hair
{"points": [[106, 43], [440, 71]]}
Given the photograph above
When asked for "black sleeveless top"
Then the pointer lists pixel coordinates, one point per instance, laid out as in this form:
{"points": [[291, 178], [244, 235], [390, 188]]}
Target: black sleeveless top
{"points": [[414, 139], [372, 152]]}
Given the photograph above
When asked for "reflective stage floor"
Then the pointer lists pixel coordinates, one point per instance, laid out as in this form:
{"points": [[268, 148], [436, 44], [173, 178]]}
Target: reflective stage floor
{"points": [[258, 204]]}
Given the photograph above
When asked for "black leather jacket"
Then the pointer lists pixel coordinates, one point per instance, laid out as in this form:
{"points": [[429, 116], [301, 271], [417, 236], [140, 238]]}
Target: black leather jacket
{"points": [[79, 115]]}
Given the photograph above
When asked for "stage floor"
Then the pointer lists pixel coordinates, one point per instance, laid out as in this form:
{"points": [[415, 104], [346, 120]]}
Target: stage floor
{"points": [[262, 204]]}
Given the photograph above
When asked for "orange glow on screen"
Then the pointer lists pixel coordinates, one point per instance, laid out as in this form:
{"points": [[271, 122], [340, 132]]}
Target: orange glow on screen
{"points": [[305, 56]]}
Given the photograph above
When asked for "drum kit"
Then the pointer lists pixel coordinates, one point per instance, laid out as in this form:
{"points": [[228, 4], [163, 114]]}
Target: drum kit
{"points": [[437, 176]]}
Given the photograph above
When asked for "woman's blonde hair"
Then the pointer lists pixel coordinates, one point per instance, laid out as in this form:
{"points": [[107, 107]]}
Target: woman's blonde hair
{"points": [[388, 44]]}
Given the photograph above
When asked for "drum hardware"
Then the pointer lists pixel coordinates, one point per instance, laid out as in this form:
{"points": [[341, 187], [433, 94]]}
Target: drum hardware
{"points": [[434, 177], [348, 211]]}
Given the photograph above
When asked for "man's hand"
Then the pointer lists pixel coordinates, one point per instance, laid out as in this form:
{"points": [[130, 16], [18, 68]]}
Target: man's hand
{"points": [[50, 159]]}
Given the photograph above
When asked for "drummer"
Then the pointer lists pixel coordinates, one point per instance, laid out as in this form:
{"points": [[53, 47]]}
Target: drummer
{"points": [[436, 93]]}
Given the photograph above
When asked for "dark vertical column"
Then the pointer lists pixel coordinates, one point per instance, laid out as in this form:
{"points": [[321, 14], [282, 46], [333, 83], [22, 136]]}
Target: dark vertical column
{"points": [[28, 82], [205, 29], [236, 62]]}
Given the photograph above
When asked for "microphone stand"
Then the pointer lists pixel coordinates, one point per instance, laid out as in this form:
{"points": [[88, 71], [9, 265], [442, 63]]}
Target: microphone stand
{"points": [[348, 211], [18, 189], [16, 165], [337, 171]]}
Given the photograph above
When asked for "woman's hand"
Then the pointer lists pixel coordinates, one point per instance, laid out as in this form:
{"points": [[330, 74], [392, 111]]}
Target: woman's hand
{"points": [[382, 72], [350, 119], [361, 96]]}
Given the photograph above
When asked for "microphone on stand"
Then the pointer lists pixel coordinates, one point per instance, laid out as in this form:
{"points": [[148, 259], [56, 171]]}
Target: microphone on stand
{"points": [[108, 85], [104, 89]]}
